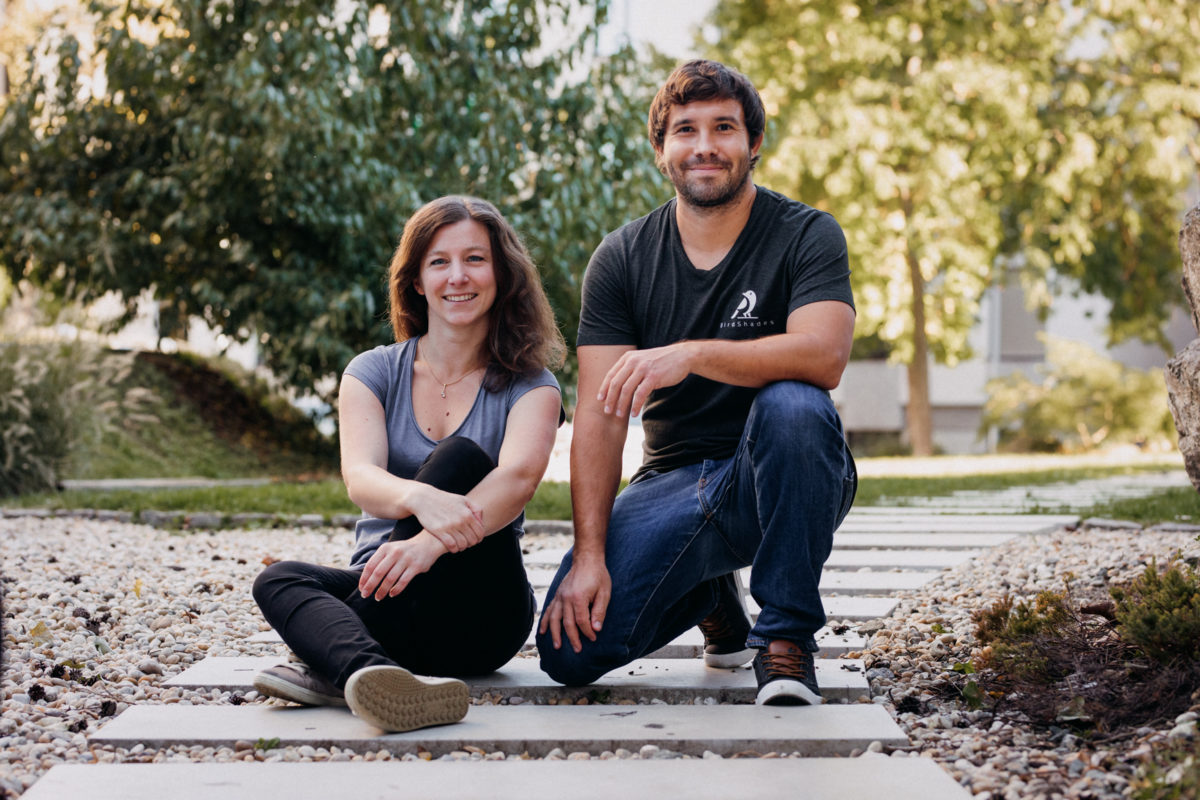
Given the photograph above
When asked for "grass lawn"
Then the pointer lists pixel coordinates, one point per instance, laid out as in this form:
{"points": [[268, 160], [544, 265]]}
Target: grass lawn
{"points": [[883, 482]]}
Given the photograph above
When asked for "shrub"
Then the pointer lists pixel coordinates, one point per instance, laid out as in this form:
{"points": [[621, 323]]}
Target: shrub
{"points": [[1021, 637], [1100, 665], [1160, 613], [52, 397], [1082, 400]]}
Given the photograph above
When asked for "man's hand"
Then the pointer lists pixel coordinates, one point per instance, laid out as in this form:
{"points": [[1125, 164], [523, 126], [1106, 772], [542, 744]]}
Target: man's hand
{"points": [[394, 564], [579, 605], [452, 519], [637, 373]]}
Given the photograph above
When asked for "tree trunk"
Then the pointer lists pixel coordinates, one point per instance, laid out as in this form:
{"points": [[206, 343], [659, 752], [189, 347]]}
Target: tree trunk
{"points": [[919, 413]]}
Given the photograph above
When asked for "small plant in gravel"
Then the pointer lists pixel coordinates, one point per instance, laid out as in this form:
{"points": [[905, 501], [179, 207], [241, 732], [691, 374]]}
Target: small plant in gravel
{"points": [[1160, 613], [1099, 665]]}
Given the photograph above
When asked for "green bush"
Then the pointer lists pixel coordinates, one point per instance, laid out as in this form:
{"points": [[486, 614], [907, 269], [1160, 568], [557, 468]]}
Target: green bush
{"points": [[1092, 663], [1015, 631], [53, 397], [1160, 613], [1082, 401]]}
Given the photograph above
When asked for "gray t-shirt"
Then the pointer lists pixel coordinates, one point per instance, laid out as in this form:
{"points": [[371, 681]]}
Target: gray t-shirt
{"points": [[387, 372], [641, 289]]}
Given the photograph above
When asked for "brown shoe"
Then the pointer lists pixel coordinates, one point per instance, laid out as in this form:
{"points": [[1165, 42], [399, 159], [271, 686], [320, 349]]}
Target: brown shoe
{"points": [[786, 676], [725, 630], [295, 681]]}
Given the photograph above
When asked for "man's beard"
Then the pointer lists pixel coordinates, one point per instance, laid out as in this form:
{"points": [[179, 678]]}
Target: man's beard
{"points": [[709, 194]]}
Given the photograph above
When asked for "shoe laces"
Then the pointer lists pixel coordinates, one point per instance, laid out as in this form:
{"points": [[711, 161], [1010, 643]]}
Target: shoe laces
{"points": [[717, 625], [295, 663], [793, 664]]}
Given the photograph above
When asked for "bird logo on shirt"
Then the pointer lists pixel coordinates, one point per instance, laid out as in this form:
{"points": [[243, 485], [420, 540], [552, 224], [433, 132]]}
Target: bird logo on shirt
{"points": [[745, 308]]}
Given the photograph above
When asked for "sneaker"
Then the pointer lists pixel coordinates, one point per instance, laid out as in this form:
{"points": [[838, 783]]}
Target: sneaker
{"points": [[786, 678], [725, 630], [295, 681], [393, 699]]}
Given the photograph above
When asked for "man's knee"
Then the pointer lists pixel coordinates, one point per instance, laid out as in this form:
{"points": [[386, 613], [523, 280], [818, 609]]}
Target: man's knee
{"points": [[793, 397], [566, 666], [794, 402]]}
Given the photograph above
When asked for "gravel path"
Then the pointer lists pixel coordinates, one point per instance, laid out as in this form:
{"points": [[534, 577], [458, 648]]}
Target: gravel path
{"points": [[97, 613]]}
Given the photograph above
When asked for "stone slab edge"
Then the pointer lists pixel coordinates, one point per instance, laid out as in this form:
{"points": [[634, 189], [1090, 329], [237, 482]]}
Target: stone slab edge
{"points": [[672, 681], [821, 779], [825, 730]]}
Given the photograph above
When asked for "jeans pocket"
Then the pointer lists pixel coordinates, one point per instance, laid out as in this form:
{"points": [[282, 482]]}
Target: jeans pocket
{"points": [[712, 487], [849, 488]]}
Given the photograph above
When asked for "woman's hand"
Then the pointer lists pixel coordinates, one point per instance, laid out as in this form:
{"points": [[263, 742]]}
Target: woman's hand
{"points": [[394, 564], [452, 519]]}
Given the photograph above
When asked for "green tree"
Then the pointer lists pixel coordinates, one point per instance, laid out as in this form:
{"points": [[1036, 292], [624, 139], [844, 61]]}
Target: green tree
{"points": [[1104, 196], [952, 141], [1078, 401], [252, 164]]}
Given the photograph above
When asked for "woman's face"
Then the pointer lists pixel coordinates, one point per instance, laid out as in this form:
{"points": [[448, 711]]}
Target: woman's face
{"points": [[456, 277]]}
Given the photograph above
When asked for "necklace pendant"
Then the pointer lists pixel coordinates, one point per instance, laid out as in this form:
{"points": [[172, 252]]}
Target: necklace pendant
{"points": [[443, 391]]}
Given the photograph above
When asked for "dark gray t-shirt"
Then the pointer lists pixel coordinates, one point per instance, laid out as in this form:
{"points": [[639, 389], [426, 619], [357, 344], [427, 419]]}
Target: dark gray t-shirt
{"points": [[387, 372], [641, 289]]}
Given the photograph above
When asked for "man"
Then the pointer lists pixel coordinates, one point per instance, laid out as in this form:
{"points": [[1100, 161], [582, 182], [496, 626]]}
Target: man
{"points": [[723, 318]]}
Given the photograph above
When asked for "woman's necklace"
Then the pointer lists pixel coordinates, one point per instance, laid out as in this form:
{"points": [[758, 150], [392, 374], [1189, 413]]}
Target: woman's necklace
{"points": [[448, 384]]}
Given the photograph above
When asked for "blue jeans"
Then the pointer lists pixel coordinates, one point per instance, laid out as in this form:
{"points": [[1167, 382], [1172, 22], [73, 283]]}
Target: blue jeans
{"points": [[673, 536]]}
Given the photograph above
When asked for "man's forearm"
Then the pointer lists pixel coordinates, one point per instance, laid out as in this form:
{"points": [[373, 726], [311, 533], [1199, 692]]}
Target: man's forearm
{"points": [[756, 362], [815, 350], [596, 450]]}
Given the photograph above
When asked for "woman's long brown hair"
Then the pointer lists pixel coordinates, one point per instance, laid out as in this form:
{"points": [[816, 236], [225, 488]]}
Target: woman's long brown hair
{"points": [[522, 334]]}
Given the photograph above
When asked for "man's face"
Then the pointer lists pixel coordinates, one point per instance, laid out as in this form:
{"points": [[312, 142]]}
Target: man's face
{"points": [[707, 151]]}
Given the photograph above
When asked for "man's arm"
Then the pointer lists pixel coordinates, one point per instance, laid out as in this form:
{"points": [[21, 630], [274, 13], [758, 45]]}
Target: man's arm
{"points": [[597, 443], [814, 349]]}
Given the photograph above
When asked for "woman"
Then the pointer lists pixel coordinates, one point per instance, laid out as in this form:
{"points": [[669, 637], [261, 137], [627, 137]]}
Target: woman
{"points": [[444, 435]]}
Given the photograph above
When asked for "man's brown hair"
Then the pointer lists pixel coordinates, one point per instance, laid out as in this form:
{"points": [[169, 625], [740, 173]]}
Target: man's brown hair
{"points": [[701, 80]]}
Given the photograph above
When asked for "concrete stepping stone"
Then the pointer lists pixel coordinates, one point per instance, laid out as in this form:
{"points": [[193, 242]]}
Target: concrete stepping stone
{"points": [[689, 645], [898, 559], [881, 523], [832, 580], [872, 583], [820, 779], [854, 609], [848, 609], [852, 540], [669, 680], [825, 730], [948, 524]]}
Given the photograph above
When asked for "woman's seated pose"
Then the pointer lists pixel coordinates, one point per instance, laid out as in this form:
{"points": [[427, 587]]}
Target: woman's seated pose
{"points": [[444, 437]]}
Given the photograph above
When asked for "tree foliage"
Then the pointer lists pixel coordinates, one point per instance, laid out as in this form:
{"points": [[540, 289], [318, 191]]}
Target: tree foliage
{"points": [[1080, 401], [1104, 193], [253, 163], [954, 139]]}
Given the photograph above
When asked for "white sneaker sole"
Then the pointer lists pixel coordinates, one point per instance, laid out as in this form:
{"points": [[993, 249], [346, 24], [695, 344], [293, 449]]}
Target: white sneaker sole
{"points": [[274, 686], [730, 660], [395, 700], [785, 692]]}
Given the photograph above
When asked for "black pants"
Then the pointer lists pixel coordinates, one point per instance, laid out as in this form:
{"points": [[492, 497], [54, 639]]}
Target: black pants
{"points": [[468, 615]]}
